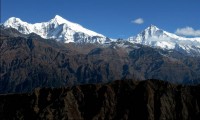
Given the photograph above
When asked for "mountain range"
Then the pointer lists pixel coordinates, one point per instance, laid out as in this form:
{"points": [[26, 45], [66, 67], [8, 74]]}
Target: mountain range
{"points": [[61, 70], [61, 53], [57, 28], [63, 30]]}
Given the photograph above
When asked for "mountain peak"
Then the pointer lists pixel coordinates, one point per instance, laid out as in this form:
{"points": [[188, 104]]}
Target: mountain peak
{"points": [[57, 28], [151, 31], [153, 27], [155, 37], [58, 17], [13, 20]]}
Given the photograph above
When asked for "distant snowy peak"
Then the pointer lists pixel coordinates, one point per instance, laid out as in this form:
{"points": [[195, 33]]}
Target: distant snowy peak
{"points": [[57, 28], [18, 24], [153, 31], [74, 26], [155, 37], [13, 21]]}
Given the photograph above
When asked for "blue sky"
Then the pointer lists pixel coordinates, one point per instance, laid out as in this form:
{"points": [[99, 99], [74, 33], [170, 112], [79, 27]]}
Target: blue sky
{"points": [[112, 18]]}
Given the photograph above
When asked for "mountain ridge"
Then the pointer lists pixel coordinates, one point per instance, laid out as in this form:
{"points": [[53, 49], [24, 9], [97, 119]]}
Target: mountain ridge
{"points": [[63, 30], [121, 99], [57, 28], [29, 61], [155, 37]]}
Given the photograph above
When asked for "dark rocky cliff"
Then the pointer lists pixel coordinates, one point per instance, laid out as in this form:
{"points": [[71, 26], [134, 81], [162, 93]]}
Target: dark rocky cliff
{"points": [[126, 99]]}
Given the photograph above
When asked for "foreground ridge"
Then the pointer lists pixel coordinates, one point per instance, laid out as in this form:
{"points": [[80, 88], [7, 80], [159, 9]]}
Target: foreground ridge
{"points": [[151, 99]]}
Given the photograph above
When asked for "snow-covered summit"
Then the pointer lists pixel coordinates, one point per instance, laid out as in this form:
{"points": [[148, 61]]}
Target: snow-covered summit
{"points": [[155, 37], [76, 27], [63, 30], [57, 28]]}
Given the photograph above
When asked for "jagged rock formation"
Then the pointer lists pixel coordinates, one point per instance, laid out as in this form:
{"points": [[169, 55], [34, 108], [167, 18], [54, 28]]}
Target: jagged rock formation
{"points": [[124, 99]]}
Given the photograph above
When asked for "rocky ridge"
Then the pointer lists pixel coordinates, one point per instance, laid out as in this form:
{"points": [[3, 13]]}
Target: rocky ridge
{"points": [[29, 61], [124, 99]]}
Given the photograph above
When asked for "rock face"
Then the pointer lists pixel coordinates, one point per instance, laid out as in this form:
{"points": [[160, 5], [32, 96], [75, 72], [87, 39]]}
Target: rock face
{"points": [[28, 62], [125, 99]]}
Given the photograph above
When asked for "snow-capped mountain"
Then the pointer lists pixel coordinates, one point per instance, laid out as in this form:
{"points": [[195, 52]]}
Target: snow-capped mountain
{"points": [[155, 37], [57, 28], [63, 30]]}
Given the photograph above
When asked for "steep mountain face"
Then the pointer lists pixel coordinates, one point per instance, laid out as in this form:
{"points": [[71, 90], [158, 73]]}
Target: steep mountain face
{"points": [[155, 37], [57, 28], [29, 61], [133, 100]]}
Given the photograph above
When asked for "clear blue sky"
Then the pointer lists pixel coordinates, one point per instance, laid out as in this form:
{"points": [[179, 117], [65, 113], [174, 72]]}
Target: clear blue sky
{"points": [[109, 17]]}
